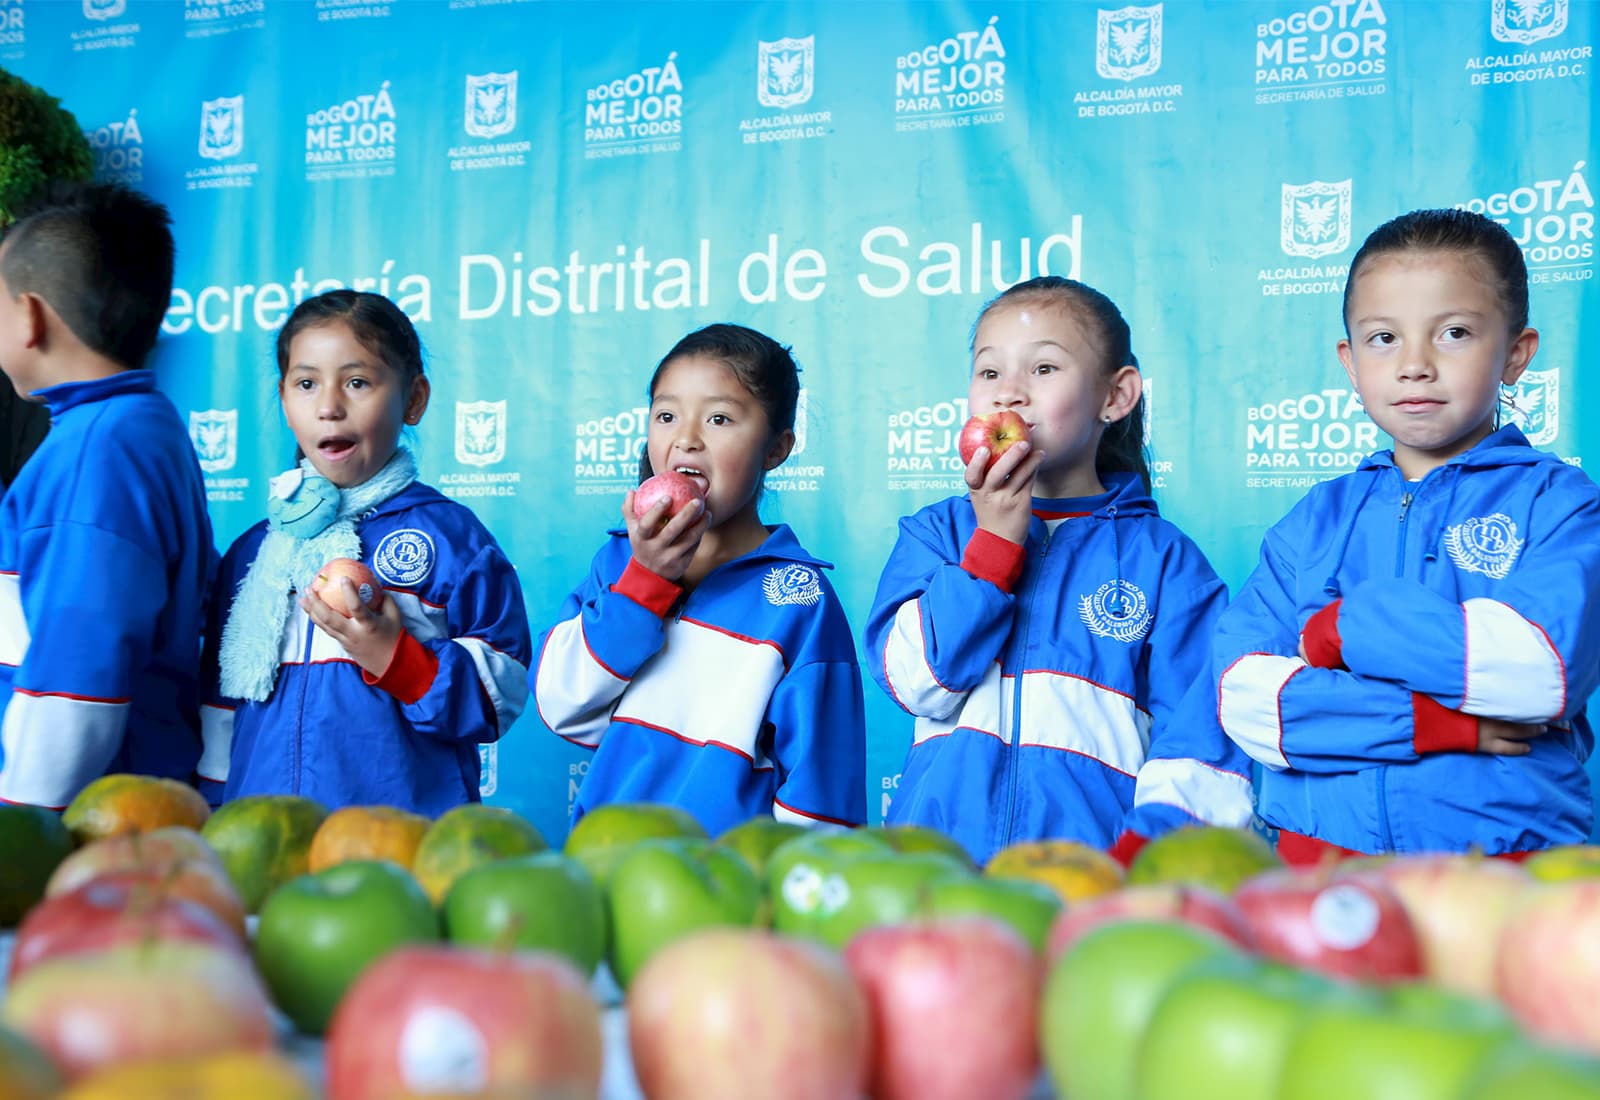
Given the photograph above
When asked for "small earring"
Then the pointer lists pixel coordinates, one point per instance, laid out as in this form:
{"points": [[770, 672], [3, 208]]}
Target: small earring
{"points": [[1508, 397], [1106, 419]]}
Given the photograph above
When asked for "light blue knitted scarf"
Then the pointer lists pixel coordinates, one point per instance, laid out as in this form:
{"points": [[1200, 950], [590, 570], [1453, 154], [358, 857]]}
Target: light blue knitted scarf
{"points": [[310, 521]]}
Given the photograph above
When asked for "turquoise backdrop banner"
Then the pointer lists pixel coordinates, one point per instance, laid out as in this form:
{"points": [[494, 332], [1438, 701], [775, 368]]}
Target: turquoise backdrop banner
{"points": [[555, 192]]}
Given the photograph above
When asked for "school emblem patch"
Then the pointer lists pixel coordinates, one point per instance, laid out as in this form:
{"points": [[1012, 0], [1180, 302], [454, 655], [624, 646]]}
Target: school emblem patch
{"points": [[405, 557], [1117, 610], [1484, 544], [792, 584]]}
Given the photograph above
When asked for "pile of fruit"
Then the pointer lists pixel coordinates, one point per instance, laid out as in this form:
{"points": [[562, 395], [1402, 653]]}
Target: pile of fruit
{"points": [[164, 951]]}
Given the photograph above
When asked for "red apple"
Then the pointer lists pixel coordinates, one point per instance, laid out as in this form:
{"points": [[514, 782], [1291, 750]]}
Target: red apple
{"points": [[185, 864], [464, 1020], [1458, 904], [998, 431], [327, 585], [674, 488], [1352, 927], [934, 989], [140, 1001], [120, 907], [1168, 901], [735, 1013], [1548, 971], [159, 850]]}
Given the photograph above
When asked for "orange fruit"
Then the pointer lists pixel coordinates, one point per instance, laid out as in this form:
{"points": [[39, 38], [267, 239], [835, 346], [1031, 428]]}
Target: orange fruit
{"points": [[467, 837], [237, 1075], [120, 803], [367, 832], [1074, 871], [1204, 855], [33, 842], [264, 841]]}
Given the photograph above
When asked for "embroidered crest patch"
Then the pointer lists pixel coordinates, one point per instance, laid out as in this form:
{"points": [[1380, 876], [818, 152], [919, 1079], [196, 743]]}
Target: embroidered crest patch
{"points": [[787, 584], [1117, 610], [1484, 544], [404, 557]]}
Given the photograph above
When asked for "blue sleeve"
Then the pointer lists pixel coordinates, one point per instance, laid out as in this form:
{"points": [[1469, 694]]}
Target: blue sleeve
{"points": [[481, 684], [91, 599], [1283, 712], [1193, 772], [820, 743], [216, 709], [585, 662], [934, 629], [1530, 653]]}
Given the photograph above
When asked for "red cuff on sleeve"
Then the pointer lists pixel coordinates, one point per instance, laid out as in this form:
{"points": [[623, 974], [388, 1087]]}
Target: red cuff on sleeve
{"points": [[994, 559], [410, 673], [649, 590], [1437, 728], [1320, 638], [1127, 846]]}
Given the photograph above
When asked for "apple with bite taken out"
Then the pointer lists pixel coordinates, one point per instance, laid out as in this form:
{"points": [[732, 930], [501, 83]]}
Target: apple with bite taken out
{"points": [[674, 488], [998, 431], [327, 585]]}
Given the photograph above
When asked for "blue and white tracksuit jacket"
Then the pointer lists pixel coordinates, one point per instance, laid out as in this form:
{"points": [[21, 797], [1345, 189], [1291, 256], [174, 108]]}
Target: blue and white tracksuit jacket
{"points": [[105, 557], [1059, 688], [741, 699], [410, 739], [1474, 592]]}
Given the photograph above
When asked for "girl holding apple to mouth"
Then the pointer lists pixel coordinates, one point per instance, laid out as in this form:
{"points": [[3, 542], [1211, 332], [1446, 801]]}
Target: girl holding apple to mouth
{"points": [[1049, 629], [706, 659], [310, 689]]}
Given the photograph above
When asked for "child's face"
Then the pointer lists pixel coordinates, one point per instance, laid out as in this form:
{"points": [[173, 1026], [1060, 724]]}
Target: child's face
{"points": [[704, 423], [1039, 361], [1429, 346], [345, 405]]}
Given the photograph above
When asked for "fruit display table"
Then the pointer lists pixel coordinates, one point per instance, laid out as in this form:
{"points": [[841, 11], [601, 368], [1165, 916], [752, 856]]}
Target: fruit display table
{"points": [[616, 1083], [617, 1080]]}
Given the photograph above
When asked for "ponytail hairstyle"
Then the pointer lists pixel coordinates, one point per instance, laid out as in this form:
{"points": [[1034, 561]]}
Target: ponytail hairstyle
{"points": [[1121, 448]]}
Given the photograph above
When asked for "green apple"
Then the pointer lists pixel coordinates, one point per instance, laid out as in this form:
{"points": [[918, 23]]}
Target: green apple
{"points": [[603, 836], [1100, 995], [664, 889], [920, 838], [1564, 863], [543, 901], [25, 1072], [798, 870], [1522, 1070], [1222, 1030], [1417, 1043], [755, 840], [1030, 908], [871, 890], [1203, 855], [319, 931]]}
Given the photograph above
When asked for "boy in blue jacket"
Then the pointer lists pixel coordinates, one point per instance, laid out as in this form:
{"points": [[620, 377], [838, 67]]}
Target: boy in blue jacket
{"points": [[105, 544], [1411, 660]]}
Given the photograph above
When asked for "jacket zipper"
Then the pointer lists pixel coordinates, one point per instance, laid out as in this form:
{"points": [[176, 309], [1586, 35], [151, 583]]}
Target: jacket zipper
{"points": [[300, 718], [1382, 775], [1016, 706]]}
